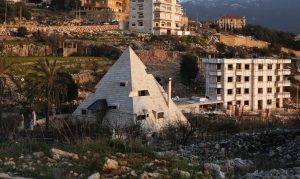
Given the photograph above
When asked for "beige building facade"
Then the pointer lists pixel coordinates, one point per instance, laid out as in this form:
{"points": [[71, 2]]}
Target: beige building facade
{"points": [[159, 17], [231, 22], [249, 84], [106, 10]]}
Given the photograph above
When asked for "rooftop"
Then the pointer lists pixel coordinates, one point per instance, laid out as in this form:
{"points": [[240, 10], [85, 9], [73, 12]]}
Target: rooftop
{"points": [[231, 17]]}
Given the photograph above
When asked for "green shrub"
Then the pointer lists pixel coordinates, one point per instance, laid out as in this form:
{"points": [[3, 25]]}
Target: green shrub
{"points": [[22, 32]]}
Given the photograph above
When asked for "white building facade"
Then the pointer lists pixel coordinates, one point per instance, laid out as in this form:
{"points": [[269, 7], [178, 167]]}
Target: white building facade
{"points": [[249, 84], [159, 17]]}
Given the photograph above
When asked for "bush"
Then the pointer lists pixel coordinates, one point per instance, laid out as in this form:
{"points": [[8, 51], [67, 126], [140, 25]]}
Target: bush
{"points": [[106, 51], [22, 31], [189, 67]]}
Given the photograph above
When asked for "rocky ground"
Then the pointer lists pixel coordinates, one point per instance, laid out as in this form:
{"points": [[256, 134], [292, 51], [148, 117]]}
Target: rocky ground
{"points": [[272, 154], [249, 155]]}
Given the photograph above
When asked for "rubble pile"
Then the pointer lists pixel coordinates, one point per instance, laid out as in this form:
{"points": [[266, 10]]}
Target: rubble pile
{"points": [[276, 145], [275, 173]]}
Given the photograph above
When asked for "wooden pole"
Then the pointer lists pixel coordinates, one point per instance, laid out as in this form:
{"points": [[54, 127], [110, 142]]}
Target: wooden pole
{"points": [[5, 16], [297, 105]]}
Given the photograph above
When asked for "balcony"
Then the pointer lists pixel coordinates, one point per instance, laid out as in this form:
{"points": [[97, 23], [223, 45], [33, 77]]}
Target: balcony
{"points": [[283, 95], [215, 73], [283, 83], [215, 85], [283, 72], [162, 2]]}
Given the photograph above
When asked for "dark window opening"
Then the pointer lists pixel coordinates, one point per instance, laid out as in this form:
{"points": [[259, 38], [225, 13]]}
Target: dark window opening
{"points": [[142, 117], [160, 115], [123, 84], [144, 93], [84, 112]]}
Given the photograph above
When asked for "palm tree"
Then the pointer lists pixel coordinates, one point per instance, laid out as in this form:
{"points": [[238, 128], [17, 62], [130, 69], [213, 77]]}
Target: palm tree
{"points": [[5, 75], [45, 84]]}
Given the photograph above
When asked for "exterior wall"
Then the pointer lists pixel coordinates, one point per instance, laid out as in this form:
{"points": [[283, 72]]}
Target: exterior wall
{"points": [[220, 81], [230, 23], [107, 10], [141, 16], [160, 17]]}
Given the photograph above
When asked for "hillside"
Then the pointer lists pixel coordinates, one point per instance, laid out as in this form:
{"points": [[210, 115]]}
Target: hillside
{"points": [[276, 14]]}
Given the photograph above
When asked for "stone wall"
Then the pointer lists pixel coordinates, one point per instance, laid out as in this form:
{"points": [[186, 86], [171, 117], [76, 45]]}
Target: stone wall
{"points": [[78, 29], [232, 40], [20, 50]]}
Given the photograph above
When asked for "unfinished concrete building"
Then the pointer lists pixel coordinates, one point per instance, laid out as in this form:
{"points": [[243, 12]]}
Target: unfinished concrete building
{"points": [[249, 84]]}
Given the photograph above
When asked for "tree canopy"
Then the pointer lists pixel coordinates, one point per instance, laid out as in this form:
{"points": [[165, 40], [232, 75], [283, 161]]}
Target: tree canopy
{"points": [[13, 11], [189, 67], [64, 5]]}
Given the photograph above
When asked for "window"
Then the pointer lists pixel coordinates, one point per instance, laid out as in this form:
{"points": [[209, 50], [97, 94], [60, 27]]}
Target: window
{"points": [[219, 79], [219, 66], [229, 79], [218, 91], [142, 117], [84, 112], [238, 78], [260, 66], [247, 79], [124, 83], [247, 66], [229, 103], [246, 90], [246, 103], [144, 93], [141, 23], [238, 66], [278, 66], [238, 103], [277, 78], [229, 91], [238, 91], [260, 90], [269, 78], [270, 66], [113, 106], [230, 67], [278, 90], [260, 78], [160, 115], [269, 101], [269, 90]]}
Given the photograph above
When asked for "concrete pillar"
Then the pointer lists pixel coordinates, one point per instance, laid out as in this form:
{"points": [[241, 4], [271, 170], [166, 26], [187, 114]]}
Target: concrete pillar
{"points": [[170, 93]]}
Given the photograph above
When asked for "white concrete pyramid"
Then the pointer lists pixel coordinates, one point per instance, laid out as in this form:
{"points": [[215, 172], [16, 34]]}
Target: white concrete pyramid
{"points": [[141, 99]]}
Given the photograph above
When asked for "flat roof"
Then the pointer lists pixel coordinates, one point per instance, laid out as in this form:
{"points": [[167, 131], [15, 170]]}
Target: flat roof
{"points": [[246, 60], [191, 101]]}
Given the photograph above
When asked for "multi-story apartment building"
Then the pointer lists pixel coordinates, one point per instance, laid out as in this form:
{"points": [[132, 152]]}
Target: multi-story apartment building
{"points": [[159, 17], [231, 22], [250, 84], [106, 10]]}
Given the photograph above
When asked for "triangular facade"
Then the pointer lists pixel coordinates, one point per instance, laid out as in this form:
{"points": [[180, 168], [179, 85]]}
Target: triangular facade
{"points": [[131, 95]]}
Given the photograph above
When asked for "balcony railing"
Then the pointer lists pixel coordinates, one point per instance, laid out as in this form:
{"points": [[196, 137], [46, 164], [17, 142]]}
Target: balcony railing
{"points": [[283, 72], [283, 95], [283, 83]]}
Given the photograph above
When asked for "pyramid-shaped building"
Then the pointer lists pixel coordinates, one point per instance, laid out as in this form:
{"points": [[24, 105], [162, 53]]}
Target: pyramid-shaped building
{"points": [[127, 94]]}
